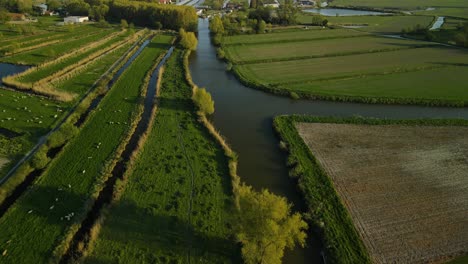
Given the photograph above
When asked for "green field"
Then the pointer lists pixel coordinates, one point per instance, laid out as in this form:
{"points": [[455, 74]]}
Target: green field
{"points": [[174, 206], [292, 36], [38, 216], [29, 117], [431, 84], [353, 65], [44, 72], [457, 8], [309, 49], [53, 51], [35, 116], [382, 24], [360, 68]]}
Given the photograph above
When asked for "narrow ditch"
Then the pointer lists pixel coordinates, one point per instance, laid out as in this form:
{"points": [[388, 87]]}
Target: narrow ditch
{"points": [[82, 236], [52, 153]]}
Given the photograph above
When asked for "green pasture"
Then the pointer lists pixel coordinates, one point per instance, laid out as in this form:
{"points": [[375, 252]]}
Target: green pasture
{"points": [[447, 83], [46, 36], [38, 216], [174, 206], [382, 24], [456, 8], [28, 117], [50, 52], [315, 48], [43, 72], [403, 4], [353, 65], [82, 82], [290, 36]]}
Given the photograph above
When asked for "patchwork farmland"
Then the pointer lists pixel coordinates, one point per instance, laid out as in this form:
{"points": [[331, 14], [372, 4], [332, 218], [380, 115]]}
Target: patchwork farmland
{"points": [[338, 65]]}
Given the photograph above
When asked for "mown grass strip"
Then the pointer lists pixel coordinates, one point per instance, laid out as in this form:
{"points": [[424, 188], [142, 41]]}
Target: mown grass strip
{"points": [[154, 208], [38, 221], [342, 242]]}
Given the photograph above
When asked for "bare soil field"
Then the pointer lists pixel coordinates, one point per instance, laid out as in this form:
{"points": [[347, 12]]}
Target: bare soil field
{"points": [[405, 187]]}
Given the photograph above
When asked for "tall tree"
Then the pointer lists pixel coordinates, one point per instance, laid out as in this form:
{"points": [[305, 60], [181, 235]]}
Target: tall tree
{"points": [[216, 25], [265, 226]]}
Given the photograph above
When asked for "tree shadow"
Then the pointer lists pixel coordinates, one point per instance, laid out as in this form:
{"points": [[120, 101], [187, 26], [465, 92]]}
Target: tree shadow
{"points": [[161, 237]]}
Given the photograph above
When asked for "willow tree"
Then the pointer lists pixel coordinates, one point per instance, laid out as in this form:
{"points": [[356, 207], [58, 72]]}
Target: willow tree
{"points": [[265, 226]]}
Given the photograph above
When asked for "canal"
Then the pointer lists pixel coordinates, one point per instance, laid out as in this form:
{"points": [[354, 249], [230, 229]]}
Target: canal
{"points": [[245, 115]]}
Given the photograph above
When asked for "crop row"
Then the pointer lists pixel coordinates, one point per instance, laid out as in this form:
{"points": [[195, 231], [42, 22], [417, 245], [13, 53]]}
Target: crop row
{"points": [[52, 208]]}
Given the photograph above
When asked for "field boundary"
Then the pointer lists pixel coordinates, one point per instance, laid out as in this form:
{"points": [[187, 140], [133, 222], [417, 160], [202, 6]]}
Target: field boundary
{"points": [[326, 209]]}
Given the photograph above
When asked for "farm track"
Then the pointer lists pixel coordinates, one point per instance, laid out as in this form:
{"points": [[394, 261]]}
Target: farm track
{"points": [[82, 236]]}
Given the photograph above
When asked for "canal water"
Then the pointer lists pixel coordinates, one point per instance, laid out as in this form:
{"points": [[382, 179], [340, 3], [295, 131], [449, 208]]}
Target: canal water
{"points": [[245, 115], [9, 69], [438, 23], [344, 12]]}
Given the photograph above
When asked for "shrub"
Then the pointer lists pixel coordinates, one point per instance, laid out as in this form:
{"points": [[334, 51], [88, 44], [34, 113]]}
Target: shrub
{"points": [[294, 95], [187, 40], [40, 159], [203, 101]]}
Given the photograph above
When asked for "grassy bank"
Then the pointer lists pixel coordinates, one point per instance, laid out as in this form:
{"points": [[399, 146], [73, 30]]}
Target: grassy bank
{"points": [[179, 192], [342, 243], [61, 196]]}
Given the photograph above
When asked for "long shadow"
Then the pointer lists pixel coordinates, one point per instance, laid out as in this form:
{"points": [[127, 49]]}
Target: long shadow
{"points": [[164, 237]]}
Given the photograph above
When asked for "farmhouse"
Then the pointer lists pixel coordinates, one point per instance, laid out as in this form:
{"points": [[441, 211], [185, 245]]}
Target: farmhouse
{"points": [[41, 8], [75, 19], [273, 4]]}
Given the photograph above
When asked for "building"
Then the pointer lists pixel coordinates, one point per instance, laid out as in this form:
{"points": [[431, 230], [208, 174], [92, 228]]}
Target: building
{"points": [[75, 19], [273, 4], [41, 8], [165, 2]]}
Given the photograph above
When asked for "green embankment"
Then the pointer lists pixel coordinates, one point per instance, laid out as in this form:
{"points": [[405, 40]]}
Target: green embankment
{"points": [[38, 222], [174, 207]]}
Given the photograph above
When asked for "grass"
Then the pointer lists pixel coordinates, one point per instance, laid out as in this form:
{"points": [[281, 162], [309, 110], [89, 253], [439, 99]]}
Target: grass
{"points": [[241, 54], [342, 243], [44, 72], [63, 184], [457, 8], [174, 206], [382, 24], [426, 85], [29, 117], [49, 52], [290, 36], [353, 65]]}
